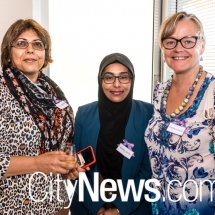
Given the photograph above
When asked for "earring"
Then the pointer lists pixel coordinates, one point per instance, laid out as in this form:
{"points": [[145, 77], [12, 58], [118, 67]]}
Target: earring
{"points": [[201, 58], [9, 60]]}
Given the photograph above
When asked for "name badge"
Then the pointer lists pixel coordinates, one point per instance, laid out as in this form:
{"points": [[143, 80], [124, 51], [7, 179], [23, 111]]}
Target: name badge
{"points": [[62, 104], [124, 151], [176, 129]]}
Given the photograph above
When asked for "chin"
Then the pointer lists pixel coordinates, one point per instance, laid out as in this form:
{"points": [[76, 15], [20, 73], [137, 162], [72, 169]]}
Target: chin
{"points": [[180, 68], [117, 100], [177, 71]]}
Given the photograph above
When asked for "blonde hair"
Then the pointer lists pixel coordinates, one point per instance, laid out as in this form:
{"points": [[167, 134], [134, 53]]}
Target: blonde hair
{"points": [[13, 33], [168, 27]]}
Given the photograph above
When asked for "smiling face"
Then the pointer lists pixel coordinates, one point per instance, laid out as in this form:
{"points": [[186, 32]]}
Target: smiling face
{"points": [[29, 61], [180, 59], [116, 92]]}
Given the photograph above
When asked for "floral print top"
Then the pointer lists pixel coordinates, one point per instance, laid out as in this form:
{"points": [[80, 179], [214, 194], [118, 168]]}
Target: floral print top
{"points": [[184, 165]]}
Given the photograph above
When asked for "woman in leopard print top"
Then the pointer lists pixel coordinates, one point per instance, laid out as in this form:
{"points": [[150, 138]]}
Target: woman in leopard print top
{"points": [[35, 122]]}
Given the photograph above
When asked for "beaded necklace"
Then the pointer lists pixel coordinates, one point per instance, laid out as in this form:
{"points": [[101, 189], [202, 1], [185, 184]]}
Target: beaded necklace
{"points": [[187, 97]]}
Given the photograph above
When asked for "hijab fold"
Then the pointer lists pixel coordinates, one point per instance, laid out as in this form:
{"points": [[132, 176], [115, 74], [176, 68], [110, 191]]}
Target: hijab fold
{"points": [[113, 120]]}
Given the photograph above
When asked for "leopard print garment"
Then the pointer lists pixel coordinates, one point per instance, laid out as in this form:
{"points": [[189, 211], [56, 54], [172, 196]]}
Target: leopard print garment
{"points": [[20, 136]]}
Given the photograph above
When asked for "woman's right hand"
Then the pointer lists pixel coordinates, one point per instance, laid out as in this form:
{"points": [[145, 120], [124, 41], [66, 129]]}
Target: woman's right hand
{"points": [[54, 162], [101, 211]]}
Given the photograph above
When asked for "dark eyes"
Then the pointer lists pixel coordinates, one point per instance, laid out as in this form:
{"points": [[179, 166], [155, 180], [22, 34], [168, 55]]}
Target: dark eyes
{"points": [[111, 77], [22, 44]]}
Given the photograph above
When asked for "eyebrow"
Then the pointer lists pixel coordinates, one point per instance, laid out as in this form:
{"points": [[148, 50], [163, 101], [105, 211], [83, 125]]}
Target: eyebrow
{"points": [[180, 38], [20, 38]]}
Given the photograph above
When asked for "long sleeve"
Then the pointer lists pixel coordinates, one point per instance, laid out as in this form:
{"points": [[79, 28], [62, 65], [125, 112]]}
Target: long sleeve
{"points": [[86, 133], [4, 163], [4, 146], [137, 168], [144, 173]]}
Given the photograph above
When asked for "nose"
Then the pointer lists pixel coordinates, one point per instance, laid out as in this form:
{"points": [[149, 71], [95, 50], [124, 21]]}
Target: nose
{"points": [[30, 48], [179, 46], [116, 82]]}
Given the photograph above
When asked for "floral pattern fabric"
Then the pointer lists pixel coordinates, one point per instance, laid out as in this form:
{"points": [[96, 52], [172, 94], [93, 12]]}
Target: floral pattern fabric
{"points": [[184, 165]]}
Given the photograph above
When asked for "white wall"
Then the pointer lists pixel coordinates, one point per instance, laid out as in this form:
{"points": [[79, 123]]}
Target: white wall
{"points": [[12, 10], [83, 32]]}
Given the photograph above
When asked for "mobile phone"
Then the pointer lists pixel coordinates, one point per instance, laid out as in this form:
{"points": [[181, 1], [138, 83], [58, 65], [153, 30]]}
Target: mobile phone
{"points": [[86, 157]]}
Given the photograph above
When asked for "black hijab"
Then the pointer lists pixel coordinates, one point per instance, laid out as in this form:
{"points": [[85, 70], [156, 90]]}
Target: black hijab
{"points": [[113, 119]]}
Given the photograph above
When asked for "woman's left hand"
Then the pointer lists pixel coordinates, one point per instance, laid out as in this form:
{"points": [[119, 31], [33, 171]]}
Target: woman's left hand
{"points": [[74, 173], [113, 211], [101, 211]]}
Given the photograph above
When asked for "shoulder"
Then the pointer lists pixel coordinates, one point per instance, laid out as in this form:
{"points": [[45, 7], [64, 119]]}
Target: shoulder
{"points": [[160, 86], [139, 105], [2, 80], [4, 91], [158, 92], [89, 106], [88, 109], [142, 104], [210, 76]]}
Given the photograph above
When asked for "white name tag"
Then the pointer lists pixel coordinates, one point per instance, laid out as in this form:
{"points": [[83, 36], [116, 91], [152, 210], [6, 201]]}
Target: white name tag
{"points": [[124, 151], [176, 129], [62, 105]]}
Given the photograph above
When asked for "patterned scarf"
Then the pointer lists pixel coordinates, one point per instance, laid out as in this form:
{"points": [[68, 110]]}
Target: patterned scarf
{"points": [[39, 100]]}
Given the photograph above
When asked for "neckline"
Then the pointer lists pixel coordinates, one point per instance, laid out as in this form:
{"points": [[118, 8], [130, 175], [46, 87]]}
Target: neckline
{"points": [[183, 104], [193, 107]]}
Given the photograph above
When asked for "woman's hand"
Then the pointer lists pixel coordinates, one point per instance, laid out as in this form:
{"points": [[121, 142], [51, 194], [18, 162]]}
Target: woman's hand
{"points": [[113, 211], [55, 162], [101, 211], [74, 173]]}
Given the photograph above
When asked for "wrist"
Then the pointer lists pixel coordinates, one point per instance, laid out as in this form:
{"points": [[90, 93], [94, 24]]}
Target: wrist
{"points": [[36, 165]]}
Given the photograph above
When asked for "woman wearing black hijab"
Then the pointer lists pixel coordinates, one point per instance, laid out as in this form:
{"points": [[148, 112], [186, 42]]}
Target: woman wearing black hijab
{"points": [[112, 120]]}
